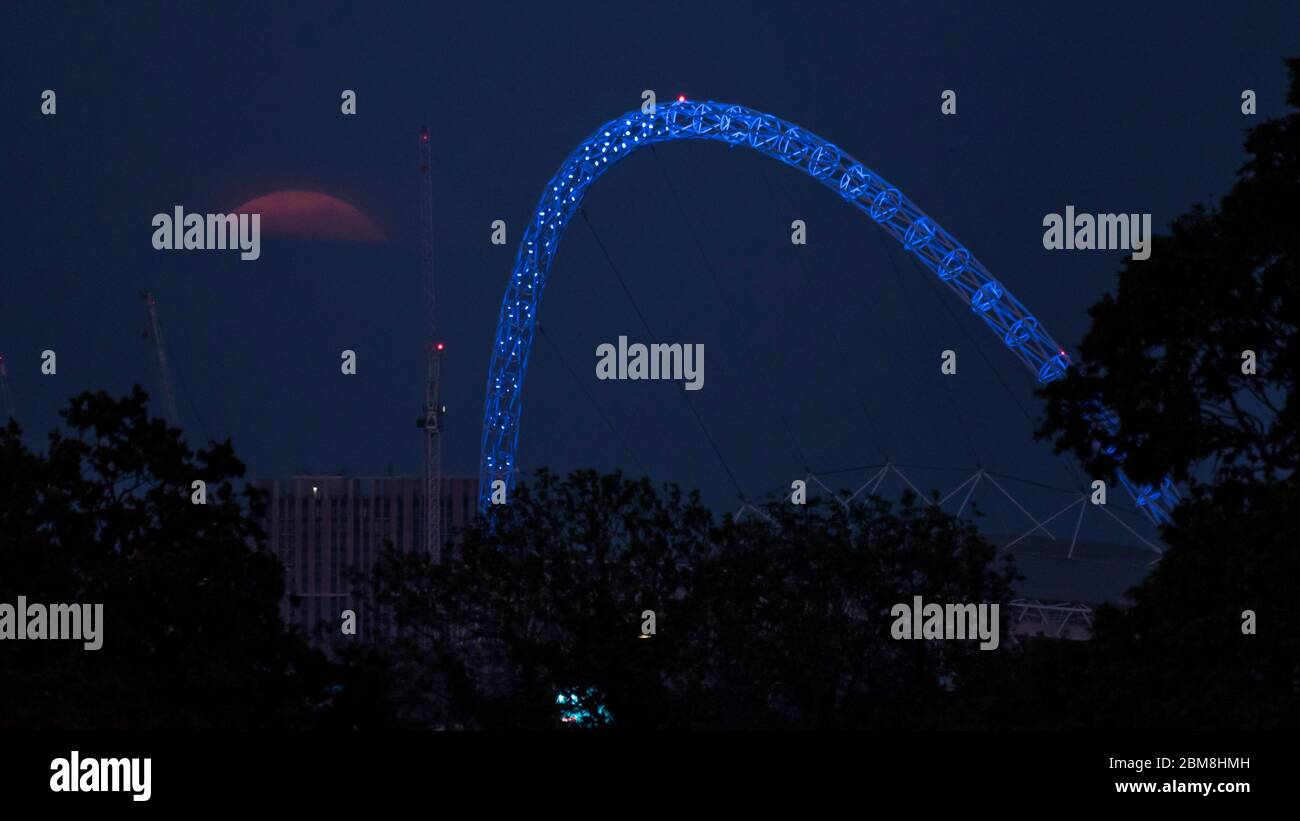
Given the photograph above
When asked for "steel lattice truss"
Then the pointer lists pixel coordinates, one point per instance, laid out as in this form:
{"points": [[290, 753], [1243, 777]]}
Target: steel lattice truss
{"points": [[950, 261], [1052, 618], [964, 490]]}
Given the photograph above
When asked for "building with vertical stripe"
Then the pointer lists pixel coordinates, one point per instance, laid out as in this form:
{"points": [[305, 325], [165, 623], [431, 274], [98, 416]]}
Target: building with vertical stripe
{"points": [[324, 527]]}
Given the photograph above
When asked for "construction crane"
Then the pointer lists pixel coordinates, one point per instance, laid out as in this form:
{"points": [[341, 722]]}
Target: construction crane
{"points": [[6, 399], [155, 331], [433, 409]]}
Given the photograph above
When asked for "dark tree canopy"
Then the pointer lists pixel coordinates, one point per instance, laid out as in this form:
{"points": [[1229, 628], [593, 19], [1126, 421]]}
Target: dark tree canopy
{"points": [[769, 622], [1165, 352], [192, 635], [1210, 638]]}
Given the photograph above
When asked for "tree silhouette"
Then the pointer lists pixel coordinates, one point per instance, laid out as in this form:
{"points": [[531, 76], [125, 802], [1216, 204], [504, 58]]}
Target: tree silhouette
{"points": [[1166, 353], [192, 635], [782, 620]]}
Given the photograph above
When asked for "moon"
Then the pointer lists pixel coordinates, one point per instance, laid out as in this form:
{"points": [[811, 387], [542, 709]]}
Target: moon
{"points": [[312, 215]]}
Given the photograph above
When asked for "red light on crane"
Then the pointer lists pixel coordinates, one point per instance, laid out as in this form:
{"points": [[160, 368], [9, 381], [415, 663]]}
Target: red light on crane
{"points": [[440, 346]]}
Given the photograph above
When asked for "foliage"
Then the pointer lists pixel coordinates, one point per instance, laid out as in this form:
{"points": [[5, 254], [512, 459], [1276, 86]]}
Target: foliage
{"points": [[192, 636], [1166, 354], [776, 621]]}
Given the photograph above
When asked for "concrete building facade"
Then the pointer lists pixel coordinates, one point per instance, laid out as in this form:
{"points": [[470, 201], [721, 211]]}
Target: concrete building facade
{"points": [[324, 527]]}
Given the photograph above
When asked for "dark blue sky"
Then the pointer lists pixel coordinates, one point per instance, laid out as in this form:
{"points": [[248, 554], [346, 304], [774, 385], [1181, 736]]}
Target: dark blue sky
{"points": [[1108, 107]]}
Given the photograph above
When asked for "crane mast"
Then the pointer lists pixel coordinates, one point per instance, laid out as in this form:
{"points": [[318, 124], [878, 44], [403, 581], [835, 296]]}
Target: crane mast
{"points": [[432, 420], [155, 330]]}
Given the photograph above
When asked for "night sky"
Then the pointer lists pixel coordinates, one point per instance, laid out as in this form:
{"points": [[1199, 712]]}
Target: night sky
{"points": [[1108, 107]]}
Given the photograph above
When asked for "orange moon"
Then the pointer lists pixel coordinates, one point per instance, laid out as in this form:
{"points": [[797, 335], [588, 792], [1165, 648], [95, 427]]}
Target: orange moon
{"points": [[312, 215]]}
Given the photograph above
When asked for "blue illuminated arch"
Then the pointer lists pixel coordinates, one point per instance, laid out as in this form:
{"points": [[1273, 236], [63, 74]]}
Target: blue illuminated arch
{"points": [[1018, 330]]}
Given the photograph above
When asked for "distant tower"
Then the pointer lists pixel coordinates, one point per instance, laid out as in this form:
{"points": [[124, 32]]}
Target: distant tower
{"points": [[155, 330], [433, 409]]}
